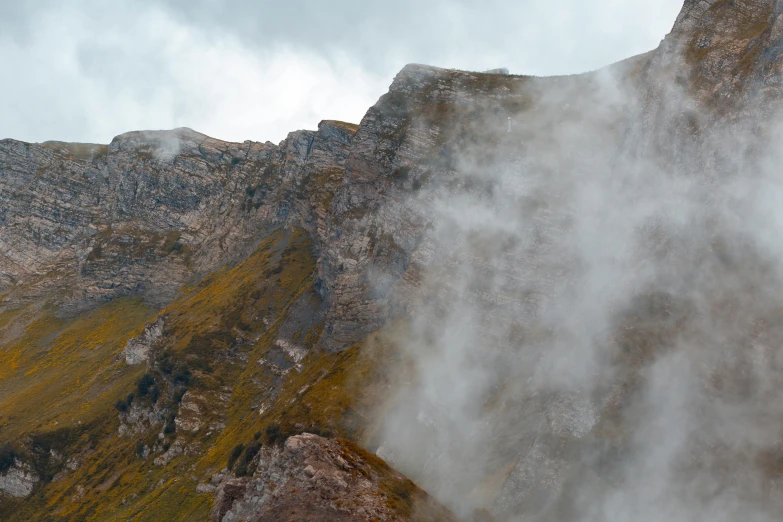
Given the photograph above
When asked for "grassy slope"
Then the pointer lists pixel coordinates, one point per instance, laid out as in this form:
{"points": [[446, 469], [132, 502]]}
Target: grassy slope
{"points": [[219, 329], [57, 374]]}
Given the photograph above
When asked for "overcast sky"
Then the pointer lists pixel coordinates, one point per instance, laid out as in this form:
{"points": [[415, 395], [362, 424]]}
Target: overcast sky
{"points": [[257, 69]]}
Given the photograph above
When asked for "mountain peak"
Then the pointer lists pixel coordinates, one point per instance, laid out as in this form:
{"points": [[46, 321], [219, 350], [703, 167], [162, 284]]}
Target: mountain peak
{"points": [[512, 289]]}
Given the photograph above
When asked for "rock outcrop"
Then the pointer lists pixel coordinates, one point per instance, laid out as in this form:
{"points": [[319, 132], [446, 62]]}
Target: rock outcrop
{"points": [[138, 349], [150, 211], [585, 267], [312, 478], [18, 481]]}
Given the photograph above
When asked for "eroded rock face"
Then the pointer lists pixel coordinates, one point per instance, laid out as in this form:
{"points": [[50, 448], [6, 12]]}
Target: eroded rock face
{"points": [[582, 270], [494, 241], [146, 213], [137, 350], [312, 478], [204, 412], [139, 418]]}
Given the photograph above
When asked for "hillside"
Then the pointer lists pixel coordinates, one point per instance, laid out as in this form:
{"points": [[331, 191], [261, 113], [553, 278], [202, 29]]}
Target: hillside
{"points": [[537, 298]]}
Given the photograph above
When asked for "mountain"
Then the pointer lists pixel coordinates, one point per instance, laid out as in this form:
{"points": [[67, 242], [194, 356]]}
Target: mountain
{"points": [[539, 298]]}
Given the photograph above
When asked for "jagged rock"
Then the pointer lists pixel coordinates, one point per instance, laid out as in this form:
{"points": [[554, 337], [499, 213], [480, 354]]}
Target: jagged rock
{"points": [[140, 418], [205, 488], [172, 453], [312, 478], [385, 204], [19, 481], [137, 350], [145, 214], [188, 418], [205, 411]]}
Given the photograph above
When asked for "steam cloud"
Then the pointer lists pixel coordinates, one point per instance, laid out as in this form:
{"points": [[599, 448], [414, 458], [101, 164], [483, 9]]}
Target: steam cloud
{"points": [[597, 334]]}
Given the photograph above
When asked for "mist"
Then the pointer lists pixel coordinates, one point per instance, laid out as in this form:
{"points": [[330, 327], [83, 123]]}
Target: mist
{"points": [[583, 273], [596, 331]]}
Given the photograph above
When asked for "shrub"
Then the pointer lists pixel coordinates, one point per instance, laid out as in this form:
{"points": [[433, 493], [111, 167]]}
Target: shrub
{"points": [[123, 405], [7, 457], [154, 394], [277, 434], [321, 432], [201, 364], [251, 451], [242, 325], [274, 434], [179, 393], [182, 374], [144, 384], [171, 425], [165, 364], [243, 466], [241, 469], [235, 453]]}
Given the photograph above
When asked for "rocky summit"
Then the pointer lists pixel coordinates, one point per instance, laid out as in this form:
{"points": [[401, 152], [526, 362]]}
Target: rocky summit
{"points": [[498, 297]]}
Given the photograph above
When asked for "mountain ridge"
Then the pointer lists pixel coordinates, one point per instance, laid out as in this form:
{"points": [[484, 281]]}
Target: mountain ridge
{"points": [[339, 282]]}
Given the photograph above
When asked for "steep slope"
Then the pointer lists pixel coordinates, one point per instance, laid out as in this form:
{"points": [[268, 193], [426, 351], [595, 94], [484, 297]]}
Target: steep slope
{"points": [[224, 369], [291, 484], [147, 213], [555, 298], [596, 288]]}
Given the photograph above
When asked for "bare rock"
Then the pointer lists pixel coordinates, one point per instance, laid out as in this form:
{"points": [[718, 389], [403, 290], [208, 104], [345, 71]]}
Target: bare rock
{"points": [[140, 418], [137, 350], [173, 452], [205, 488], [312, 478], [18, 481]]}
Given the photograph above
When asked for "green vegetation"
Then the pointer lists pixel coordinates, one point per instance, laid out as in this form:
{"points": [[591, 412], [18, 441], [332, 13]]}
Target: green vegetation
{"points": [[56, 373], [63, 384], [235, 453], [250, 451]]}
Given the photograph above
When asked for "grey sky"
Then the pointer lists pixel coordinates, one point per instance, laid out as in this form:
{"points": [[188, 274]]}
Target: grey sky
{"points": [[242, 69]]}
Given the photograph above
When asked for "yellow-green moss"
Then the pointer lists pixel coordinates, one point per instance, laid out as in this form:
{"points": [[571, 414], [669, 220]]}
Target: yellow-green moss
{"points": [[79, 151], [73, 365], [61, 373], [351, 128]]}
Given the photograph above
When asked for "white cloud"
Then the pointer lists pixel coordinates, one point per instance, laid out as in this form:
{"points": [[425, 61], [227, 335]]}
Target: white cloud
{"points": [[88, 70], [89, 80]]}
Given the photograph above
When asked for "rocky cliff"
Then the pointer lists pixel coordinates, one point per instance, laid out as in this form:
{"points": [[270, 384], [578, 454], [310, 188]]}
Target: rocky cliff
{"points": [[554, 298]]}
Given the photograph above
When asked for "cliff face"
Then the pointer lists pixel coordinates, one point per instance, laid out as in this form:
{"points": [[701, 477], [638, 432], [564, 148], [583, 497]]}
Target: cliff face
{"points": [[537, 297], [153, 209]]}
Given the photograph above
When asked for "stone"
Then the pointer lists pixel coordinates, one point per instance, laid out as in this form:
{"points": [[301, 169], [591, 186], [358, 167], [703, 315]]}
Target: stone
{"points": [[309, 480], [137, 350], [18, 481]]}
